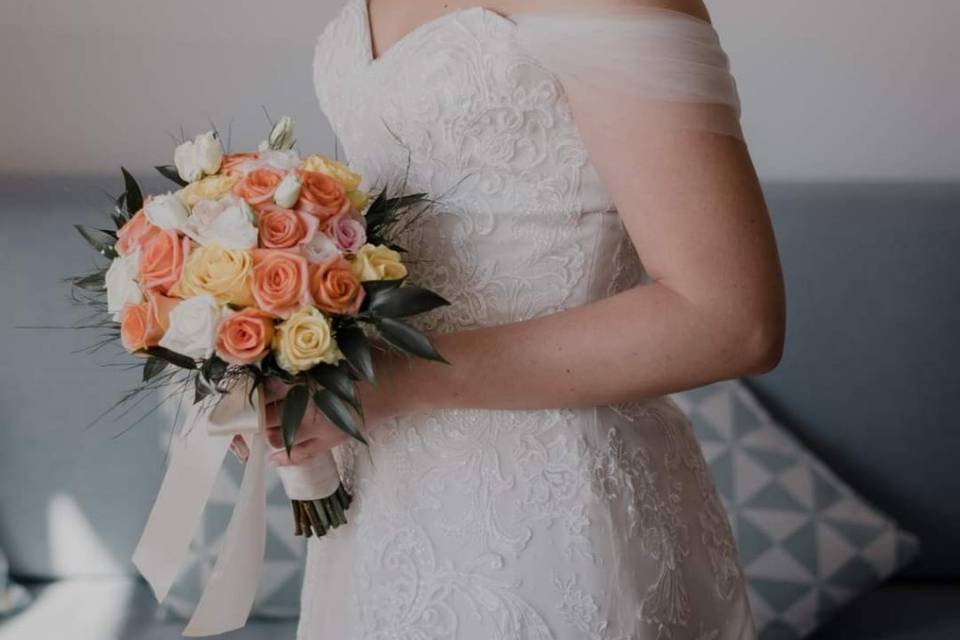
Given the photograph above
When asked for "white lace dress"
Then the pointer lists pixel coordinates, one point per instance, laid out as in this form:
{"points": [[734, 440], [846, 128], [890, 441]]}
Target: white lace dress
{"points": [[598, 523]]}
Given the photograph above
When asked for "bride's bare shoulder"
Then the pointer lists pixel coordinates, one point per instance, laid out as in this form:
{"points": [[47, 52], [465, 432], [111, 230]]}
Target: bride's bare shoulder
{"points": [[694, 8]]}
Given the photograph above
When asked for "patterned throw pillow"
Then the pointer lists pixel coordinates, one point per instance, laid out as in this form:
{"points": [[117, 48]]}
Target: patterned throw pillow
{"points": [[279, 593], [807, 542]]}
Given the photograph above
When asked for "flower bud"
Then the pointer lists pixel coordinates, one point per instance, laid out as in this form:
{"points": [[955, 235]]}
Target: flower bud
{"points": [[209, 152], [185, 157], [288, 191], [281, 136]]}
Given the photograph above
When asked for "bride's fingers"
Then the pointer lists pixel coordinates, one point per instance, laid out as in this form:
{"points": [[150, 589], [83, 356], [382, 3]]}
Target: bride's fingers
{"points": [[275, 437], [300, 453], [239, 448], [275, 390]]}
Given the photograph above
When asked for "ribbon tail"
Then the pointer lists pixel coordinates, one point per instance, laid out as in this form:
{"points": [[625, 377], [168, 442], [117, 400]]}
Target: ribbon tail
{"points": [[229, 594], [195, 461]]}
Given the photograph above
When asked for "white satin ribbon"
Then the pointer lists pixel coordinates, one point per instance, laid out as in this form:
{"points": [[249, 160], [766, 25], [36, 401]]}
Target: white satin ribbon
{"points": [[195, 460]]}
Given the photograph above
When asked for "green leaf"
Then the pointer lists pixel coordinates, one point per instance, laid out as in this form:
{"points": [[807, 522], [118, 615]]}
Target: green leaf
{"points": [[404, 301], [339, 413], [406, 338], [174, 358], [374, 287], [153, 367], [200, 389], [405, 201], [170, 172], [355, 347], [294, 408], [338, 381], [92, 282], [134, 197], [271, 369], [98, 240]]}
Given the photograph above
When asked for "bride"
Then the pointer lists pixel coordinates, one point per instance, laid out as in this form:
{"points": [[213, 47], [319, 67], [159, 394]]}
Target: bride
{"points": [[541, 487]]}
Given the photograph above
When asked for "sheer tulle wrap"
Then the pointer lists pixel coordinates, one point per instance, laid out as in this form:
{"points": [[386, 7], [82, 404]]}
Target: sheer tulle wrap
{"points": [[668, 65]]}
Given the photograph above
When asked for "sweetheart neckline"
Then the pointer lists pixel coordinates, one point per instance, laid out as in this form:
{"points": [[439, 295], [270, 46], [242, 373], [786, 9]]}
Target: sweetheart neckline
{"points": [[374, 60]]}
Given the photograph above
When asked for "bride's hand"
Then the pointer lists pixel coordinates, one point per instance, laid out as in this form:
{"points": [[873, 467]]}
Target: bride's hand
{"points": [[316, 434]]}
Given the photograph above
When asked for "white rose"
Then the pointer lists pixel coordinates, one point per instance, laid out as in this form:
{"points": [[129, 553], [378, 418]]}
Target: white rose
{"points": [[209, 152], [281, 136], [122, 287], [320, 248], [282, 160], [193, 327], [228, 222], [188, 166], [166, 211], [288, 191]]}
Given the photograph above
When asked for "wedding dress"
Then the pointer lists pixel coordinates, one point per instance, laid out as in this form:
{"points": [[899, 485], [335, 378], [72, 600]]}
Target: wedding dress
{"points": [[598, 523]]}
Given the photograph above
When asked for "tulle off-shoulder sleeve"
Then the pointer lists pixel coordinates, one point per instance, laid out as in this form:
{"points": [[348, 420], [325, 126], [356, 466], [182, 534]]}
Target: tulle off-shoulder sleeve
{"points": [[669, 66]]}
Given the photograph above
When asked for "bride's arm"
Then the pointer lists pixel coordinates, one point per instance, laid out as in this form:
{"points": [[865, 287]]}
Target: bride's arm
{"points": [[715, 309]]}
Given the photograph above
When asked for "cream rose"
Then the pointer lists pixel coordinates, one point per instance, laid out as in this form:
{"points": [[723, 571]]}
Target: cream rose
{"points": [[336, 170], [166, 211], [193, 327], [210, 188], [222, 273], [122, 287], [378, 262], [304, 340]]}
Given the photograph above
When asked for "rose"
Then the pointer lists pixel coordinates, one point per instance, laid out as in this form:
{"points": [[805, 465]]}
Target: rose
{"points": [[245, 336], [322, 196], [288, 191], [319, 249], [378, 262], [279, 283], [348, 233], [336, 170], [358, 200], [133, 327], [237, 164], [281, 136], [196, 157], [121, 283], [161, 261], [159, 307], [334, 287], [258, 186], [222, 273], [131, 235], [210, 188], [193, 327], [305, 340], [285, 228], [229, 222], [166, 211]]}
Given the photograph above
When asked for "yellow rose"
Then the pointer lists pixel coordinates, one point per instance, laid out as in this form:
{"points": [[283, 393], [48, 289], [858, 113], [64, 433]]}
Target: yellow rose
{"points": [[210, 188], [378, 262], [304, 340], [223, 273], [358, 199], [336, 170]]}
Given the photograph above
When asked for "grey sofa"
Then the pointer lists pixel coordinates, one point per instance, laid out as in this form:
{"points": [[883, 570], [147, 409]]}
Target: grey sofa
{"points": [[868, 381]]}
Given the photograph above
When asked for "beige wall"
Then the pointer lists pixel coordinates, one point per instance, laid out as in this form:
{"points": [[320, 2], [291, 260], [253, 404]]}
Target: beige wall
{"points": [[845, 89]]}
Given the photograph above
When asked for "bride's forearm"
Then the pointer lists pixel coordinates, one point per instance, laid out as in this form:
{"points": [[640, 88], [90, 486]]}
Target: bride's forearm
{"points": [[644, 342]]}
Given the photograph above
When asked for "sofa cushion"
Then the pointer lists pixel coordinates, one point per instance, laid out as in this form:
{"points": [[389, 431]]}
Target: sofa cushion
{"points": [[807, 542], [869, 376]]}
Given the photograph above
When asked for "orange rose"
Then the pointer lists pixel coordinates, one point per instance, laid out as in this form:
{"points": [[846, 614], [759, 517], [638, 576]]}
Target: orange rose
{"points": [[244, 337], [257, 187], [233, 162], [134, 233], [159, 307], [161, 263], [134, 334], [334, 287], [322, 196], [285, 228], [279, 283]]}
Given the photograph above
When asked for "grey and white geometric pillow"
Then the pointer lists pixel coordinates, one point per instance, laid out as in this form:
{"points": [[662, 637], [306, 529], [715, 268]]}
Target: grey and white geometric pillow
{"points": [[279, 591], [808, 544]]}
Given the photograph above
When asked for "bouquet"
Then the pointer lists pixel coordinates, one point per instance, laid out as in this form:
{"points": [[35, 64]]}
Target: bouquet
{"points": [[261, 265]]}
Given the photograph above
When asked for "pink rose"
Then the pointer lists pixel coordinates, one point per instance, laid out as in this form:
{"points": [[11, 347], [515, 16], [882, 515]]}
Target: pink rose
{"points": [[348, 233], [279, 282], [286, 228], [134, 233]]}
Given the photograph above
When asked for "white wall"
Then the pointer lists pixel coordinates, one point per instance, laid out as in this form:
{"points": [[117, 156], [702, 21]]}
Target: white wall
{"points": [[845, 89]]}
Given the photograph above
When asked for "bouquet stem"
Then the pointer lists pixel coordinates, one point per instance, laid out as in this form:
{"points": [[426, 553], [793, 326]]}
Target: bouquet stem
{"points": [[317, 517]]}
